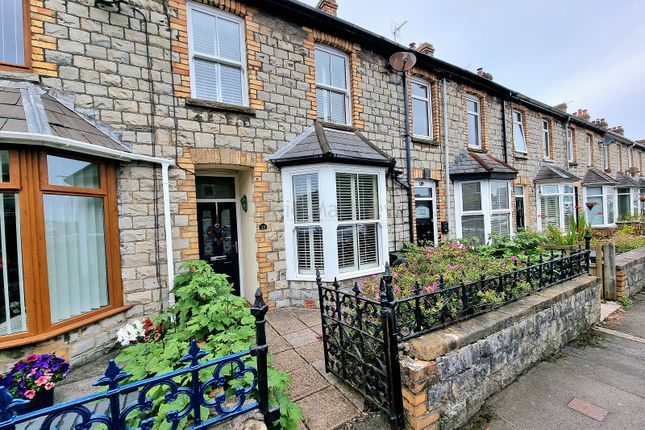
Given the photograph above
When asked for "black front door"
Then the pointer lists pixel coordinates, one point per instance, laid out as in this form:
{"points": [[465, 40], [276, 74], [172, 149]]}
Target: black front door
{"points": [[218, 239]]}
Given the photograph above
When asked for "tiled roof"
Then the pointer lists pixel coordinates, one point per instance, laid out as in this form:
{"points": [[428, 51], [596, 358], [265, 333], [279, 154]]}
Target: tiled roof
{"points": [[625, 181], [474, 165], [324, 143], [597, 177], [24, 108], [552, 173]]}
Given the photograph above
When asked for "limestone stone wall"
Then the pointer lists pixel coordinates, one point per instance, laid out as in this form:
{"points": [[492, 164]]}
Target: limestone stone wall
{"points": [[448, 374], [630, 273]]}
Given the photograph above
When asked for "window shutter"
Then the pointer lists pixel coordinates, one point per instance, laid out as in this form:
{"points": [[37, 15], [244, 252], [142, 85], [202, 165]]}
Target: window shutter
{"points": [[345, 196], [346, 248], [550, 207], [367, 245], [306, 199], [367, 197], [206, 85], [231, 78], [499, 195], [228, 38], [471, 196], [338, 111], [310, 249]]}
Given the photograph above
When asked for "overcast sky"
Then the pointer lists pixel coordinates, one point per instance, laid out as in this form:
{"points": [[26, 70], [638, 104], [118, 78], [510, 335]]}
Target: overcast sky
{"points": [[588, 54]]}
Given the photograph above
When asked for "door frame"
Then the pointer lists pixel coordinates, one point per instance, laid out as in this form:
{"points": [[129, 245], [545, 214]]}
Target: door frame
{"points": [[433, 186], [238, 217]]}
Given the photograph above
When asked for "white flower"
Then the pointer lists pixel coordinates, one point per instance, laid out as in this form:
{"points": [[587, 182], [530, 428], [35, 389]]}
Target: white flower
{"points": [[130, 333]]}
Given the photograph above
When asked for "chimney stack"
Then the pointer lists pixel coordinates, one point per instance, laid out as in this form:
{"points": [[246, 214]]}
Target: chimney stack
{"points": [[485, 75], [618, 130], [561, 107], [582, 114], [328, 6], [426, 48], [600, 122]]}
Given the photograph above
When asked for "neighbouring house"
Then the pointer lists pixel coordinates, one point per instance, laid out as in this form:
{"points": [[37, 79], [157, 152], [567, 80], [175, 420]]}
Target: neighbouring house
{"points": [[265, 137]]}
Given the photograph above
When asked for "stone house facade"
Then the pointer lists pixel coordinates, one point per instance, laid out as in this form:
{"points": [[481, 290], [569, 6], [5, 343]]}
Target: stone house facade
{"points": [[196, 105]]}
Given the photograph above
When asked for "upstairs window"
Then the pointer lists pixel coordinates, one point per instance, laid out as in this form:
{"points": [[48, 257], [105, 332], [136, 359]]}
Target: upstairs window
{"points": [[332, 85], [605, 157], [570, 157], [421, 109], [473, 110], [630, 158], [589, 141], [546, 139], [12, 33], [519, 138], [217, 67]]}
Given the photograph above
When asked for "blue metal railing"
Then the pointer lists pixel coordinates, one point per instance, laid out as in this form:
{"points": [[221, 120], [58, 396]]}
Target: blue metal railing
{"points": [[233, 388]]}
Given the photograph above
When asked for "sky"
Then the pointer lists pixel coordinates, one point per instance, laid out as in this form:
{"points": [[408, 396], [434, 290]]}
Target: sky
{"points": [[589, 54]]}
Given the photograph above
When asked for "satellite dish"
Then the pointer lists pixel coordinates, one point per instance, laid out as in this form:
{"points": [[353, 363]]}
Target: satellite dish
{"points": [[607, 140], [403, 61]]}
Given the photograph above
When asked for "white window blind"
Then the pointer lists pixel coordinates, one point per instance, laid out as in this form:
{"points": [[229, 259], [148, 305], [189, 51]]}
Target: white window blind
{"points": [[421, 109], [518, 132], [12, 43], [309, 239], [217, 66], [474, 122], [550, 207], [332, 86]]}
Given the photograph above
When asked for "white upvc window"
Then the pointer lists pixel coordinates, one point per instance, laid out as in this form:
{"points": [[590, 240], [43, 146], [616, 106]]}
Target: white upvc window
{"points": [[570, 157], [605, 156], [603, 199], [421, 108], [628, 202], [519, 137], [546, 140], [473, 110], [339, 229], [630, 158], [332, 85], [589, 141], [483, 207], [555, 203], [217, 55]]}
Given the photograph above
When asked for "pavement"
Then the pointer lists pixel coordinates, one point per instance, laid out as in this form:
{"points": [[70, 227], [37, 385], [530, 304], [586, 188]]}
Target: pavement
{"points": [[596, 382]]}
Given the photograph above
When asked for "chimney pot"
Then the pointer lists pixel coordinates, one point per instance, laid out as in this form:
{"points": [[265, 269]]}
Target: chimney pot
{"points": [[328, 6], [426, 48], [561, 107]]}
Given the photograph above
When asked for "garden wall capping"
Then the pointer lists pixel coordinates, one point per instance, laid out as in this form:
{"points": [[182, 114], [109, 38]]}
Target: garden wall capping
{"points": [[630, 272], [447, 375]]}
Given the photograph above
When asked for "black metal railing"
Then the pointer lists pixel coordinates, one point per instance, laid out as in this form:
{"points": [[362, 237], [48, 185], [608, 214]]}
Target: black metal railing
{"points": [[197, 396], [361, 335]]}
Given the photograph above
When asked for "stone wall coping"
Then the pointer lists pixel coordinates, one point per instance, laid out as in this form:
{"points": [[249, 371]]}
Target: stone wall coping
{"points": [[432, 345], [631, 258]]}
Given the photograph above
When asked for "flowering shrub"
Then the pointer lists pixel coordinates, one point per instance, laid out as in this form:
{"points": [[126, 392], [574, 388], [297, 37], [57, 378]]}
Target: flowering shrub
{"points": [[33, 374], [138, 331]]}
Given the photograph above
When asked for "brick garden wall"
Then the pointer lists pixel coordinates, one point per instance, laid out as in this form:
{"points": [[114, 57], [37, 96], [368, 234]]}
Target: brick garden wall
{"points": [[630, 273]]}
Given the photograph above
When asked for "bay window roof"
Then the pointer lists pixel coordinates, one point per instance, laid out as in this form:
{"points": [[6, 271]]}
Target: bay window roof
{"points": [[625, 181], [323, 143], [475, 165], [598, 177], [552, 173]]}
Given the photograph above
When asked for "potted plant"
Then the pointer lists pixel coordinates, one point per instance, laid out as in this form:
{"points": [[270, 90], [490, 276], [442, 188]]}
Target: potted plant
{"points": [[34, 378]]}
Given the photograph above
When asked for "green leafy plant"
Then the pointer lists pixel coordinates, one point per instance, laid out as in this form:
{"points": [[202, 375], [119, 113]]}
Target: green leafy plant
{"points": [[627, 303], [205, 310]]}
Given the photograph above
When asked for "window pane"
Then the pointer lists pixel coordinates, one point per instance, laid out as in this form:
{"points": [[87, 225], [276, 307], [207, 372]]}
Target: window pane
{"points": [[231, 84], [473, 130], [338, 71], [596, 212], [323, 66], [499, 195], [203, 33], [12, 297], [550, 208], [500, 224], [68, 172], [322, 101], [215, 187], [310, 249], [367, 245], [471, 196], [422, 191], [345, 196], [568, 205], [346, 249], [228, 38], [420, 120], [624, 205], [76, 260], [12, 48], [419, 90], [305, 198], [473, 226], [611, 216], [518, 137], [4, 166], [338, 112], [472, 105], [205, 80], [519, 191], [594, 191], [367, 197], [549, 189]]}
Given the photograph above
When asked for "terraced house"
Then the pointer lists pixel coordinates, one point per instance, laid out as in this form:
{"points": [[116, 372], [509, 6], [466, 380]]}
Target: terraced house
{"points": [[265, 137]]}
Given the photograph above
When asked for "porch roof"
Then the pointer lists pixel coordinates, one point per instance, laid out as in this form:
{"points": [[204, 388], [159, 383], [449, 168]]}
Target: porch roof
{"points": [[326, 143], [552, 173], [476, 165], [597, 177]]}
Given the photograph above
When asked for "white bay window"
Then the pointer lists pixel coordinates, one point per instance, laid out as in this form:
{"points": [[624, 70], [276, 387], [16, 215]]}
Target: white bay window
{"points": [[555, 203], [335, 221], [483, 207], [600, 203]]}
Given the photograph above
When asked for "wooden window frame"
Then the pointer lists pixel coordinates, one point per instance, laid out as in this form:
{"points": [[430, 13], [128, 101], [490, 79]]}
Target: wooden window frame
{"points": [[26, 31], [28, 170]]}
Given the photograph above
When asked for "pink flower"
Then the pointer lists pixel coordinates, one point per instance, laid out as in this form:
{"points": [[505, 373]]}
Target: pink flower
{"points": [[146, 338], [29, 394], [49, 386], [157, 336], [513, 259], [31, 358], [42, 380]]}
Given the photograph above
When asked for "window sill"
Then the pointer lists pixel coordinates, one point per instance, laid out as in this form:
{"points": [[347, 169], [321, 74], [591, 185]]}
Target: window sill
{"points": [[340, 276], [57, 331], [480, 150], [548, 160], [572, 163], [223, 107], [425, 140], [22, 74], [521, 156]]}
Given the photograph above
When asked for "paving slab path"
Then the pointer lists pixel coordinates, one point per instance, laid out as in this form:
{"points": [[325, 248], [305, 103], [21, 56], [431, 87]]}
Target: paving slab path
{"points": [[597, 382], [295, 346]]}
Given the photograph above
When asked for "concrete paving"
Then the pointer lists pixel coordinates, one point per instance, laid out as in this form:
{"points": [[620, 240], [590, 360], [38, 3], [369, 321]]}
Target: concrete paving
{"points": [[597, 382]]}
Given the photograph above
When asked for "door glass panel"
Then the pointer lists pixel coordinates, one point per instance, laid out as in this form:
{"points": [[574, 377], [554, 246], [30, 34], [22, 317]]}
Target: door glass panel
{"points": [[12, 297], [76, 260], [68, 172], [4, 166], [215, 187]]}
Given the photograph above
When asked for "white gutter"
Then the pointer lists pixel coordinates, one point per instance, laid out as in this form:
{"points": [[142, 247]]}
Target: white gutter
{"points": [[35, 139], [446, 151]]}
